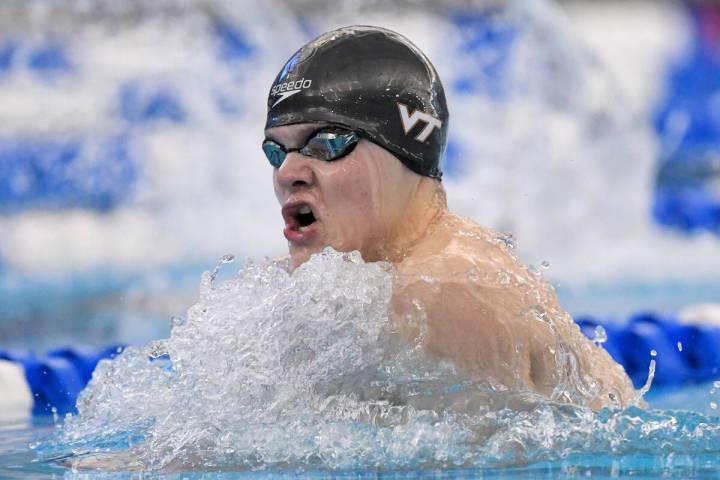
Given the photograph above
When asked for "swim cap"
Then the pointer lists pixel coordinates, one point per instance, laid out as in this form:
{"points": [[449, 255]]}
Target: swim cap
{"points": [[371, 80]]}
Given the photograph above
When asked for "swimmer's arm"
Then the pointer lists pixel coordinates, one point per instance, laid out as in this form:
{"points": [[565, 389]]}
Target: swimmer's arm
{"points": [[616, 388], [472, 325]]}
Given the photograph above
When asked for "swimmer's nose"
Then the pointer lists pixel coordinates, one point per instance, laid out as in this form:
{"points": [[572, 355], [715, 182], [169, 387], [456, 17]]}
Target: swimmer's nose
{"points": [[295, 172]]}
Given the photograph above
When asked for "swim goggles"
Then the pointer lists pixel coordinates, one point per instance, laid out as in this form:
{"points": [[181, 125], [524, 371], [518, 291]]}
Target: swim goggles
{"points": [[327, 144]]}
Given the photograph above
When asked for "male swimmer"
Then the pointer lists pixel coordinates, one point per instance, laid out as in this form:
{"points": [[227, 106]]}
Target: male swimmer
{"points": [[356, 126]]}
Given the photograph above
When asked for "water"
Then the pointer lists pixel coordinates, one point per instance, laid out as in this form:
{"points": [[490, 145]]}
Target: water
{"points": [[273, 372]]}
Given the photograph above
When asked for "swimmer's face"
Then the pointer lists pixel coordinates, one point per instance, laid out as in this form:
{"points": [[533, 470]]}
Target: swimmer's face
{"points": [[347, 204]]}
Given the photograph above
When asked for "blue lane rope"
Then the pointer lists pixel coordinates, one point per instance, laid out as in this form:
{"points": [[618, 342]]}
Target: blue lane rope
{"points": [[684, 354], [57, 378]]}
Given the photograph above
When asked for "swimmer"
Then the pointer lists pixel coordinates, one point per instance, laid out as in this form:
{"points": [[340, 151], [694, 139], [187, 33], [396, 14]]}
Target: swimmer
{"points": [[356, 127]]}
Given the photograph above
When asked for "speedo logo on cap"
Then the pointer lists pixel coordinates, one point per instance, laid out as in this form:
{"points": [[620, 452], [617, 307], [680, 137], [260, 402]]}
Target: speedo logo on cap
{"points": [[288, 89]]}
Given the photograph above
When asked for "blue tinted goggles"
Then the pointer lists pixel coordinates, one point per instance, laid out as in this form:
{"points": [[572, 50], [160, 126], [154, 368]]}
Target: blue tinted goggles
{"points": [[327, 144]]}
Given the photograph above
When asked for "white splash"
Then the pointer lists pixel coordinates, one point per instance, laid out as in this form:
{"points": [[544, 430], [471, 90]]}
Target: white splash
{"points": [[305, 371]]}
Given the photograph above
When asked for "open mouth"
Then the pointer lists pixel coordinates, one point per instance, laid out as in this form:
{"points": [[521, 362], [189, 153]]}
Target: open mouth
{"points": [[305, 216], [300, 224]]}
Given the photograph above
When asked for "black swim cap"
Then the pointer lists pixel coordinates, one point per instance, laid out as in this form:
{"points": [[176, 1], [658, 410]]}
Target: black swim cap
{"points": [[371, 80]]}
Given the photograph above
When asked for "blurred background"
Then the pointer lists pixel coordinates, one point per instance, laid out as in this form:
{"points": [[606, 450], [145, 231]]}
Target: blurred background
{"points": [[130, 155]]}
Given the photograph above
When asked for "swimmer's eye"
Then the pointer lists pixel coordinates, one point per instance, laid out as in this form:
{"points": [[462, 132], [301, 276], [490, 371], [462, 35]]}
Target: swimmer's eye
{"points": [[327, 144]]}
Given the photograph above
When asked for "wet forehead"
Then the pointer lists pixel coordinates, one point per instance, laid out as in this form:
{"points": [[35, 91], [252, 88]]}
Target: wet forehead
{"points": [[292, 136]]}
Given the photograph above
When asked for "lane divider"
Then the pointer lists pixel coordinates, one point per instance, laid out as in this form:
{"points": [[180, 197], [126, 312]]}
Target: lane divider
{"points": [[685, 353], [56, 378]]}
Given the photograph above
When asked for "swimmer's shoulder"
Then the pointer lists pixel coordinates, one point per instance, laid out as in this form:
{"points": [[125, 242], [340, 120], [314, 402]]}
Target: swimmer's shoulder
{"points": [[458, 245]]}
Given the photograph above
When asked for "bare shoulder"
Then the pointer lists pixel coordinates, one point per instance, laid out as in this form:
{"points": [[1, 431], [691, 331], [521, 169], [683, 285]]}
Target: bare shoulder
{"points": [[460, 256], [455, 282], [495, 318], [458, 246]]}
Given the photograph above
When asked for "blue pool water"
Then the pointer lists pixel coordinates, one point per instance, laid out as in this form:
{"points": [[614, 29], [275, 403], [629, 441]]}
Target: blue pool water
{"points": [[18, 461]]}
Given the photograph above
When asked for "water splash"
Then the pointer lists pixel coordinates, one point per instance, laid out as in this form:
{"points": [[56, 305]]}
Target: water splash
{"points": [[651, 375], [176, 321], [306, 371], [600, 335], [227, 258]]}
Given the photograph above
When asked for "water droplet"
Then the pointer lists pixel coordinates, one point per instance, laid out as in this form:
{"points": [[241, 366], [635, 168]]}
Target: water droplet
{"points": [[534, 270], [648, 383], [679, 346], [227, 258], [176, 321], [713, 405], [716, 384], [503, 277], [157, 349], [600, 335], [545, 264], [653, 353], [508, 240]]}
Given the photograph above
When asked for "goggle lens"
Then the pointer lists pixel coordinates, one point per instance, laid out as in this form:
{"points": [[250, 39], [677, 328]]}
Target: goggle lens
{"points": [[326, 145], [274, 152], [329, 146]]}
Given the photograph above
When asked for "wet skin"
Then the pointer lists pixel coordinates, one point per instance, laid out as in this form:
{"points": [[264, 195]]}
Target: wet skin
{"points": [[459, 290]]}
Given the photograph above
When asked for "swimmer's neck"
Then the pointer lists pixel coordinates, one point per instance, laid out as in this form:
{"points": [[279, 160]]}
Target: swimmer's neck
{"points": [[423, 211]]}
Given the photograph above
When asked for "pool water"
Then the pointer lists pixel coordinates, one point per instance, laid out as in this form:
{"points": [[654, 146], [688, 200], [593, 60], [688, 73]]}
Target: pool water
{"points": [[19, 461]]}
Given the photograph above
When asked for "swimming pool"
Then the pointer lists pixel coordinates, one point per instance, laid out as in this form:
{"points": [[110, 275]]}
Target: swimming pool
{"points": [[156, 221], [17, 460]]}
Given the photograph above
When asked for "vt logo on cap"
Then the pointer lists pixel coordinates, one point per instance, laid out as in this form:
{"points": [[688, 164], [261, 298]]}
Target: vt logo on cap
{"points": [[410, 120]]}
